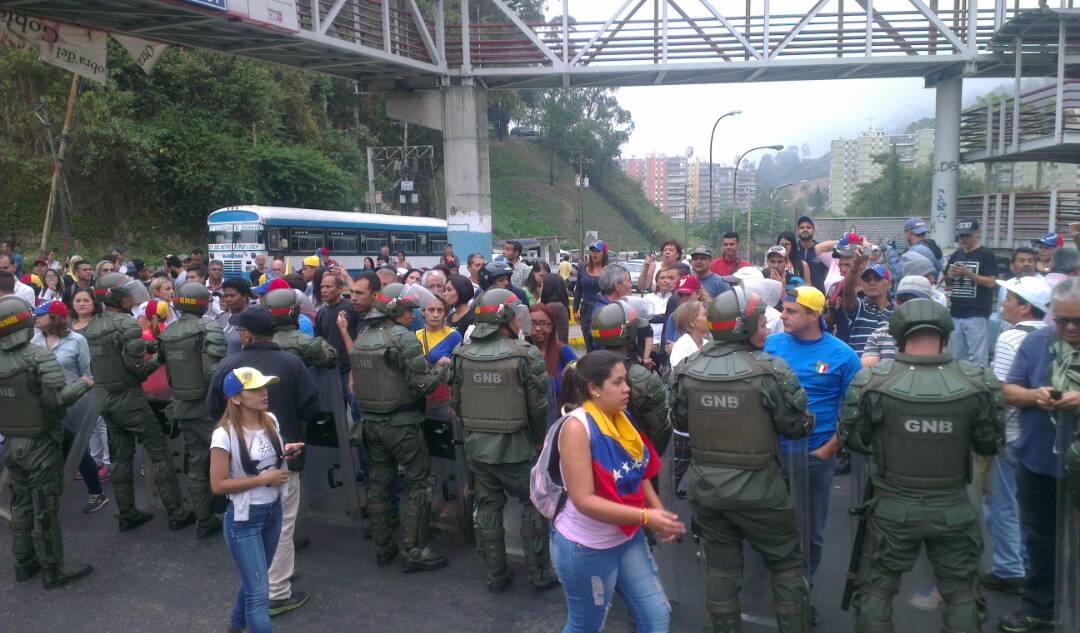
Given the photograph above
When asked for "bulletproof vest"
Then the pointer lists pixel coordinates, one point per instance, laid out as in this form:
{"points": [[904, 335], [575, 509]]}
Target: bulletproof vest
{"points": [[22, 412], [924, 417], [493, 385], [637, 377], [106, 358], [729, 426], [181, 347], [379, 387]]}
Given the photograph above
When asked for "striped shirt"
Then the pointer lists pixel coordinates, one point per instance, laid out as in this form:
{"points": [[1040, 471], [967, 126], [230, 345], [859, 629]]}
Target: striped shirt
{"points": [[1004, 352], [866, 318], [880, 343]]}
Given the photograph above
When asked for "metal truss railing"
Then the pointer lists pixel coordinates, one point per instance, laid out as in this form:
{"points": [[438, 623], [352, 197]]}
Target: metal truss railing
{"points": [[1015, 218], [997, 128]]}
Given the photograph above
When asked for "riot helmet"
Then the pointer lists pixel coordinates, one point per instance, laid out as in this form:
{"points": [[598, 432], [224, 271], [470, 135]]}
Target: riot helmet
{"points": [[283, 306], [616, 325], [393, 300], [493, 309], [734, 315], [192, 298], [920, 314], [112, 288], [16, 322], [493, 270]]}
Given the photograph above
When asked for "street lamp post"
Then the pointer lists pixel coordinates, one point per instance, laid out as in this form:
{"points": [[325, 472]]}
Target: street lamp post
{"points": [[712, 228], [735, 196], [772, 209]]}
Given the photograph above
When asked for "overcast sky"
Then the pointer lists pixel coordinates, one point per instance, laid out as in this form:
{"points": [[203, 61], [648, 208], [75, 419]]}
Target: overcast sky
{"points": [[670, 119]]}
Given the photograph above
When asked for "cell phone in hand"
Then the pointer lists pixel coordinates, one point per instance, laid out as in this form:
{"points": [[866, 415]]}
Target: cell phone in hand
{"points": [[292, 451]]}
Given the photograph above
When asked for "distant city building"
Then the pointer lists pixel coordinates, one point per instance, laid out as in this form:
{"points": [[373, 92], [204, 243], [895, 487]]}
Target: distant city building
{"points": [[721, 190], [675, 206], [1031, 176], [853, 160]]}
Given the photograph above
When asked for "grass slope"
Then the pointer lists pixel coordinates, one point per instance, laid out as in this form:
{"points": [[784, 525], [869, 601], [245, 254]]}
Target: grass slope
{"points": [[523, 204]]}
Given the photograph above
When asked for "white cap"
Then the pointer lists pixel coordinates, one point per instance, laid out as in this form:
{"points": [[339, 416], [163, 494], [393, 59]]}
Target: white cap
{"points": [[1034, 290], [749, 272], [916, 285], [776, 248]]}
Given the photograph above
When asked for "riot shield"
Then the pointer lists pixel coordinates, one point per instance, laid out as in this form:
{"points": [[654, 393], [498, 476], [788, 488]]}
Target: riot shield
{"points": [[80, 420], [451, 506], [330, 493], [1067, 571], [756, 596]]}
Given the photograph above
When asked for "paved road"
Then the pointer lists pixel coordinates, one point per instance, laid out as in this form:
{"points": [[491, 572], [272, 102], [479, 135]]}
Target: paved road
{"points": [[154, 579]]}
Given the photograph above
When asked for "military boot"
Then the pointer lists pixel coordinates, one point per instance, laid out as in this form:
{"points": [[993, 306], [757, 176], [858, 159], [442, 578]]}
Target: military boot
{"points": [[385, 554], [133, 519], [58, 576], [205, 528], [492, 546], [726, 617], [535, 546], [26, 571], [424, 559], [184, 520]]}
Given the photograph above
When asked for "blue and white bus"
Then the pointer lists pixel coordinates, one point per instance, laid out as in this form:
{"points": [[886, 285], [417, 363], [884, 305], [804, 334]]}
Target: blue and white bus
{"points": [[239, 234]]}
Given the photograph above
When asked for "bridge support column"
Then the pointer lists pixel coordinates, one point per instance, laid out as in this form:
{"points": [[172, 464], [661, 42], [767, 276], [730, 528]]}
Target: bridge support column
{"points": [[946, 160], [460, 112]]}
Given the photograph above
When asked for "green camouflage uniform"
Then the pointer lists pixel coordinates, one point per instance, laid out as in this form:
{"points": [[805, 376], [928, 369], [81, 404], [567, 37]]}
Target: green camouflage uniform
{"points": [[119, 366], [505, 420], [33, 397], [314, 351], [191, 349], [921, 417], [725, 393], [395, 373]]}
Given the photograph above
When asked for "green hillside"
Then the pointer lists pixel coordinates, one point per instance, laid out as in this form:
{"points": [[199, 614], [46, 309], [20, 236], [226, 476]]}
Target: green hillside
{"points": [[524, 204]]}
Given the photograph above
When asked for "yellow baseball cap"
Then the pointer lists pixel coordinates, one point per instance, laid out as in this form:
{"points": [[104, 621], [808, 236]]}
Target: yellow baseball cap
{"points": [[808, 297], [245, 378], [312, 260]]}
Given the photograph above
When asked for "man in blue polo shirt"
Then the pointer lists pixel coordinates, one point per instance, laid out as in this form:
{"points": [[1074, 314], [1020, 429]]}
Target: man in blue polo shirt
{"points": [[870, 311], [1037, 450], [824, 365]]}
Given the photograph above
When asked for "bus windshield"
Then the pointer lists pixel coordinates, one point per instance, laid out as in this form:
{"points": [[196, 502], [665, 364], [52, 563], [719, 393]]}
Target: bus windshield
{"points": [[238, 235]]}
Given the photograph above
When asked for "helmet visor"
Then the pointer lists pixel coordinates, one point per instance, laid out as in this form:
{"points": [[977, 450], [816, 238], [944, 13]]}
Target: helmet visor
{"points": [[136, 290]]}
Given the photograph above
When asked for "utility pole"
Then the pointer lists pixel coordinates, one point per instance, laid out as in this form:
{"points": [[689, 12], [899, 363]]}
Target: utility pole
{"points": [[772, 207], [58, 179], [581, 181], [735, 198], [712, 227]]}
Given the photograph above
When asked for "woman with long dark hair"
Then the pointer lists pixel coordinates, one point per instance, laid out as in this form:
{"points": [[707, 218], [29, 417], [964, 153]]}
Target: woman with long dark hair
{"points": [[587, 287], [555, 297], [794, 265], [597, 544], [86, 307], [534, 283], [458, 293]]}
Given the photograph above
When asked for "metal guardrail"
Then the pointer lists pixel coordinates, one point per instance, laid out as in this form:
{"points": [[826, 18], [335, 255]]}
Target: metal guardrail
{"points": [[991, 127]]}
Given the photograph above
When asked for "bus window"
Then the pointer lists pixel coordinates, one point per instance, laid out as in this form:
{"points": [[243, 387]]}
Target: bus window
{"points": [[436, 243], [278, 240], [422, 243], [249, 235], [371, 242], [305, 240], [341, 241], [403, 242], [221, 237]]}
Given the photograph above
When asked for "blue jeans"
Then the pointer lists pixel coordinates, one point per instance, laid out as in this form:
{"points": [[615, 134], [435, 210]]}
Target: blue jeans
{"points": [[252, 544], [970, 340], [1003, 518], [820, 476], [590, 577]]}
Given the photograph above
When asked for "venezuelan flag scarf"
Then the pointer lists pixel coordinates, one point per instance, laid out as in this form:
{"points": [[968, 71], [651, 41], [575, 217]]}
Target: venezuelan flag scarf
{"points": [[622, 458]]}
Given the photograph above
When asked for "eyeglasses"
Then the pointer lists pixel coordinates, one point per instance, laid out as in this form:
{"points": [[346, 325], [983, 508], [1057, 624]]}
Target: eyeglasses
{"points": [[1067, 321]]}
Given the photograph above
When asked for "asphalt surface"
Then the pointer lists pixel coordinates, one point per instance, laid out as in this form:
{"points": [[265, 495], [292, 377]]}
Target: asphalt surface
{"points": [[156, 580]]}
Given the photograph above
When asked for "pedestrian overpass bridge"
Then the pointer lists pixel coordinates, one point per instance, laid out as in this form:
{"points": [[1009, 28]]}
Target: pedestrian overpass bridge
{"points": [[436, 59]]}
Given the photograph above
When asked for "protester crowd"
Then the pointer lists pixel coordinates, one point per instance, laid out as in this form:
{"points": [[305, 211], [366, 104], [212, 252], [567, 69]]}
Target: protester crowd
{"points": [[825, 310]]}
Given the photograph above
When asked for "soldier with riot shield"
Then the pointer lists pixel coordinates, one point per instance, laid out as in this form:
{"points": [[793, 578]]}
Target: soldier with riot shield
{"points": [[615, 327], [190, 349], [284, 306], [921, 416], [119, 364], [734, 399], [33, 397], [499, 391], [390, 380]]}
